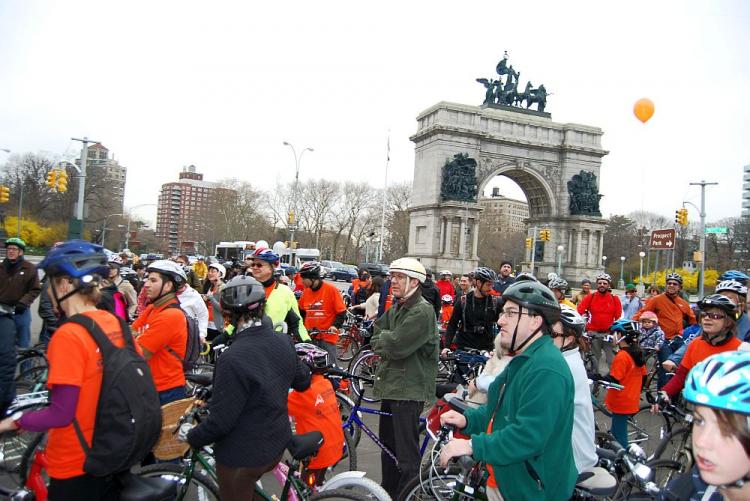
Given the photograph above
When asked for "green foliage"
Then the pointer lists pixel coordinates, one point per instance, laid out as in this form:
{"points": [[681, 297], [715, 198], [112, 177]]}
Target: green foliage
{"points": [[34, 234]]}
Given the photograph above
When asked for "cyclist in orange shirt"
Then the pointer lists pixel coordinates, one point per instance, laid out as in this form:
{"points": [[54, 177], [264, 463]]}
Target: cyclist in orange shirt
{"points": [[317, 409], [162, 329], [322, 308], [75, 269]]}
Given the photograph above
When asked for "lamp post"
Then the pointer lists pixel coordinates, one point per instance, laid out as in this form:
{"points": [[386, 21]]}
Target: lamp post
{"points": [[560, 250], [621, 282], [104, 226], [641, 288], [292, 218], [604, 262]]}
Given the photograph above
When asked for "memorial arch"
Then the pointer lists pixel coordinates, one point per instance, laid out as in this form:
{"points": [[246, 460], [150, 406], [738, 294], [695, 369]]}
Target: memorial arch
{"points": [[557, 165]]}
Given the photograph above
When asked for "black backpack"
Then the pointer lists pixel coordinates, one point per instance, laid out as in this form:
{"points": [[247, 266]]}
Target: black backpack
{"points": [[193, 346], [128, 414]]}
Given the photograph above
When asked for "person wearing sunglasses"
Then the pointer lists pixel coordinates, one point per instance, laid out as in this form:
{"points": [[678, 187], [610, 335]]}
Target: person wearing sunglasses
{"points": [[718, 316], [673, 311]]}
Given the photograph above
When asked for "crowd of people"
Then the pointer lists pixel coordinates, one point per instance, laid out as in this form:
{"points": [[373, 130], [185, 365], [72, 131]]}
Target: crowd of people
{"points": [[535, 433]]}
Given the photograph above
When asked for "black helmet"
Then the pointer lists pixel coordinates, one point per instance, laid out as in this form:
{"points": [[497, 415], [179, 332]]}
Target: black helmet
{"points": [[721, 302], [485, 274], [536, 298], [310, 269], [674, 276], [242, 294]]}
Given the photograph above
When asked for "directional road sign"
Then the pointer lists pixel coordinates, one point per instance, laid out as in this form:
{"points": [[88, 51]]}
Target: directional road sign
{"points": [[663, 239], [717, 229]]}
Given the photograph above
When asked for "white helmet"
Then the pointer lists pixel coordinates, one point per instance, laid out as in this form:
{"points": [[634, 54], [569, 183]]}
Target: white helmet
{"points": [[115, 259], [262, 244], [732, 286], [409, 267], [169, 268], [220, 268], [446, 272]]}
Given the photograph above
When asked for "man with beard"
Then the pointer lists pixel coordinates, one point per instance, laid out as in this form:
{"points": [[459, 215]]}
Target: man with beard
{"points": [[505, 278]]}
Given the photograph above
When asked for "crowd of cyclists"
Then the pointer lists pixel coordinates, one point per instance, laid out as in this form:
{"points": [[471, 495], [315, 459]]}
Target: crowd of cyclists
{"points": [[122, 336]]}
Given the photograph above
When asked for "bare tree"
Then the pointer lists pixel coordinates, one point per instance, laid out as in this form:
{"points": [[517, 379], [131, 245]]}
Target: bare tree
{"points": [[398, 199], [317, 199]]}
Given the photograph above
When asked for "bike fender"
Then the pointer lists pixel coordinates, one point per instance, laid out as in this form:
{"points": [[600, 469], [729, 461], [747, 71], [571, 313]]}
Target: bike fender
{"points": [[341, 478]]}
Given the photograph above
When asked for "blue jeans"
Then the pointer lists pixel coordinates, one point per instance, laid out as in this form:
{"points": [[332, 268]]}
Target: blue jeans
{"points": [[620, 428], [172, 395], [7, 362], [23, 328]]}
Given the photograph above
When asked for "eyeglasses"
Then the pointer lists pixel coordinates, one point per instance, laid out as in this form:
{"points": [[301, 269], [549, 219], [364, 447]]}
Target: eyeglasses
{"points": [[713, 316], [673, 284], [510, 313], [248, 259], [256, 265]]}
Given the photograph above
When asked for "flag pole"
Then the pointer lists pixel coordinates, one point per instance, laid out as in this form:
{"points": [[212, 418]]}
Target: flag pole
{"points": [[385, 192]]}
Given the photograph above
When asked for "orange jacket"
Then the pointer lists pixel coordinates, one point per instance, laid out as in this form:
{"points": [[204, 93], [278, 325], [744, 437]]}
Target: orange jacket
{"points": [[671, 312]]}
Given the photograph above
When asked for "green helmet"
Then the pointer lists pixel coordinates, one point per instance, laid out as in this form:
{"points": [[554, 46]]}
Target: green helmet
{"points": [[536, 298], [17, 242]]}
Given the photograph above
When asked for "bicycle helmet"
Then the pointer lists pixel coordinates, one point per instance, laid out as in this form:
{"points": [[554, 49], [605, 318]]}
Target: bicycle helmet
{"points": [[732, 286], [17, 242], [447, 299], [535, 297], [558, 283], [311, 270], [76, 259], [169, 269], [627, 330], [242, 294], [573, 320], [316, 358], [115, 259], [525, 276], [409, 267], [446, 272], [266, 255], [734, 275], [721, 302], [290, 271], [485, 274], [674, 276], [220, 268], [721, 381], [603, 276]]}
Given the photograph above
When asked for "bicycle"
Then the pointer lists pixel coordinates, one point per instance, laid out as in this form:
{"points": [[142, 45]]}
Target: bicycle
{"points": [[676, 443], [353, 336]]}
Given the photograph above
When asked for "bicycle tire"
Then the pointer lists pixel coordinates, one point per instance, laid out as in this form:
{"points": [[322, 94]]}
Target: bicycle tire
{"points": [[365, 365], [338, 494], [201, 484], [350, 453], [628, 487], [427, 486], [646, 429], [367, 487], [346, 407]]}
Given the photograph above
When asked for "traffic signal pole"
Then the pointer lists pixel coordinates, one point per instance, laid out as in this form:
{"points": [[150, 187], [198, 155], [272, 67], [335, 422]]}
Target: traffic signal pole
{"points": [[75, 228], [702, 248], [533, 248]]}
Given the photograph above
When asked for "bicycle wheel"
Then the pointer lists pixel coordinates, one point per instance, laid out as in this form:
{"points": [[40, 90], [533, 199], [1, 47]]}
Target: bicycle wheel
{"points": [[646, 429], [434, 484], [346, 406], [201, 488], [338, 494], [346, 347], [663, 470], [365, 366], [361, 485]]}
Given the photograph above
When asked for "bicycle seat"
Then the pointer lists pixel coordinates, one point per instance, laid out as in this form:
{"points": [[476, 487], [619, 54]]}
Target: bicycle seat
{"points": [[137, 488], [597, 481], [305, 445], [442, 389], [203, 379]]}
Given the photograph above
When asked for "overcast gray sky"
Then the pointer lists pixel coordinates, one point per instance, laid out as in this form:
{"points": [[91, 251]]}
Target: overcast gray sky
{"points": [[222, 84]]}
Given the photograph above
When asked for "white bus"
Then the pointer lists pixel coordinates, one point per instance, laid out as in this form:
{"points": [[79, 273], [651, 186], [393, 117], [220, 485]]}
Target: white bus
{"points": [[233, 251]]}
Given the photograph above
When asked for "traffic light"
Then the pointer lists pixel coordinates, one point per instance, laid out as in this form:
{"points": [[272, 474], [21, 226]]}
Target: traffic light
{"points": [[291, 217], [52, 179], [681, 217], [62, 182], [4, 194], [544, 235], [529, 241]]}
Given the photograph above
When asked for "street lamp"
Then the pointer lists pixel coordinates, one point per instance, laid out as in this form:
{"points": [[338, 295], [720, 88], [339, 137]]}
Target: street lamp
{"points": [[641, 287], [621, 282], [604, 262], [292, 221], [104, 227], [560, 250]]}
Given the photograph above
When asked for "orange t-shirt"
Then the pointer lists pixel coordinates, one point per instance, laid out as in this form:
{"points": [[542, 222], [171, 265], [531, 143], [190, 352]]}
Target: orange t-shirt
{"points": [[321, 307], [446, 313], [699, 349], [159, 327], [317, 409], [74, 360], [627, 400]]}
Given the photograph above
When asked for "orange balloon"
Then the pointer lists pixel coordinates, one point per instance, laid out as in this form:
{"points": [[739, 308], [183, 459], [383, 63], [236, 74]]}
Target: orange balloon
{"points": [[644, 109]]}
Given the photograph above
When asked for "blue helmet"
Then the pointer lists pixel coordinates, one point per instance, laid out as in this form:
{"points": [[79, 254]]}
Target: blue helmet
{"points": [[75, 259], [721, 381], [627, 328], [266, 255], [734, 275]]}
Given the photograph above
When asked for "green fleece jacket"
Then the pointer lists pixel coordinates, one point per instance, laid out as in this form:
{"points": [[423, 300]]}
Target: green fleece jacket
{"points": [[529, 446], [407, 341]]}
